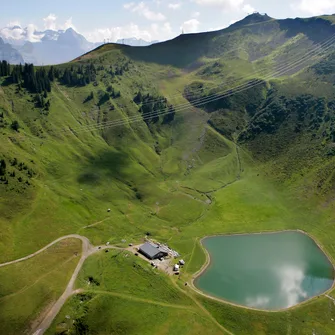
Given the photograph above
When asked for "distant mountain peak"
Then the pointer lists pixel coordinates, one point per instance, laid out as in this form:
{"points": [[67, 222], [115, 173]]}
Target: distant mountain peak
{"points": [[15, 27], [135, 42], [253, 18], [1, 41]]}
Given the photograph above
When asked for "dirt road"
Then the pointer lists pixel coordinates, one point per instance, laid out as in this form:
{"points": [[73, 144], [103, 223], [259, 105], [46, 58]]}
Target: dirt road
{"points": [[87, 250], [82, 238]]}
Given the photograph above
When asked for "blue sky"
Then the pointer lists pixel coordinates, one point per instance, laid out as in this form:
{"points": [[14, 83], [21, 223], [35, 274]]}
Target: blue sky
{"points": [[151, 20]]}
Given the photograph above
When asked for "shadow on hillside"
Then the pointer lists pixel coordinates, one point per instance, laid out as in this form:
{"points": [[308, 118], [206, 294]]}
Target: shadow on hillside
{"points": [[107, 164], [180, 52], [187, 49], [316, 29]]}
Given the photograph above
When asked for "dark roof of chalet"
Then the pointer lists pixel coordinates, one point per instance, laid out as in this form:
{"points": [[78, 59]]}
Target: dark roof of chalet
{"points": [[150, 249]]}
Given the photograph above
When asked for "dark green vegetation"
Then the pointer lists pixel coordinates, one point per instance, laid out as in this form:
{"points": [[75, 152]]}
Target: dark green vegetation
{"points": [[142, 131]]}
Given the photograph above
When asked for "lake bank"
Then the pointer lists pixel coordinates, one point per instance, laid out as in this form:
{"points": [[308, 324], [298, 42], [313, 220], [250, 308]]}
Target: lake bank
{"points": [[297, 278]]}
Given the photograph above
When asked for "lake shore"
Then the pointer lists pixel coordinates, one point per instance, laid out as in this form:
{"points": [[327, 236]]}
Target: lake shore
{"points": [[208, 261]]}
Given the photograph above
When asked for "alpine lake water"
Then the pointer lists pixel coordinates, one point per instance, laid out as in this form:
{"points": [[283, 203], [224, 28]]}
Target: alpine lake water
{"points": [[269, 271]]}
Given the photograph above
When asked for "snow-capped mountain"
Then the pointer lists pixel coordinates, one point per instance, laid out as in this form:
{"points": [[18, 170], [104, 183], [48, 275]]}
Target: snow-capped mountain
{"points": [[46, 47], [8, 53], [51, 46], [135, 42]]}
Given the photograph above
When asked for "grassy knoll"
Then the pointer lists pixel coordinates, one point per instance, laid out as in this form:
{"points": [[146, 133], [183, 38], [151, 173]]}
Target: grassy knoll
{"points": [[122, 272], [29, 287], [125, 295]]}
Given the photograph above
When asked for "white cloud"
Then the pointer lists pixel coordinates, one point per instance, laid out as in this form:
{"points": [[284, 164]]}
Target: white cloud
{"points": [[143, 10], [248, 9], [10, 33], [291, 279], [30, 34], [190, 26], [129, 5], [258, 302], [50, 22], [13, 24], [223, 4], [315, 7], [68, 24], [13, 31], [195, 15], [153, 32], [174, 5]]}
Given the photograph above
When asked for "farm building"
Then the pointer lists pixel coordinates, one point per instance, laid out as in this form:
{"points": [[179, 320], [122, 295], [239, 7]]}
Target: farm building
{"points": [[152, 251]]}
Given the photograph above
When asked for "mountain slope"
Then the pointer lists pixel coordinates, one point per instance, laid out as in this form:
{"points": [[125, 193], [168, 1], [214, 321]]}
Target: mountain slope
{"points": [[9, 54], [47, 47], [167, 138]]}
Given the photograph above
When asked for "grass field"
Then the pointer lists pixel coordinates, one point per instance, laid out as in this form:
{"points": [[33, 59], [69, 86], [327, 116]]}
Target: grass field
{"points": [[122, 272], [179, 182], [108, 314], [28, 288], [250, 204]]}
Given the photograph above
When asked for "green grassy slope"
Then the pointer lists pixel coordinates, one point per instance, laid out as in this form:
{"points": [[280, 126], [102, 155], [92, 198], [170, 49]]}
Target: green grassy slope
{"points": [[29, 288], [260, 159], [108, 314]]}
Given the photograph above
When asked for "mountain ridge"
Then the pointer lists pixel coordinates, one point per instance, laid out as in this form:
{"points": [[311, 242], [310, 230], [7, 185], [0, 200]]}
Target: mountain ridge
{"points": [[9, 54]]}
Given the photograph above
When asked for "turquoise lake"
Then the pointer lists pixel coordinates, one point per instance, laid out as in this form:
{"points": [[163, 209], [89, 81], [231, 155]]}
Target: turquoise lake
{"points": [[267, 271]]}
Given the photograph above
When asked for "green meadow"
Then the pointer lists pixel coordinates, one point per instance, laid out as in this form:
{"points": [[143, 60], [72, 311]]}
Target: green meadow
{"points": [[260, 159]]}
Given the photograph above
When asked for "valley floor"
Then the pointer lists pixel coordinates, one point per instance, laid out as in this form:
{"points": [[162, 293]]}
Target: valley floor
{"points": [[241, 201]]}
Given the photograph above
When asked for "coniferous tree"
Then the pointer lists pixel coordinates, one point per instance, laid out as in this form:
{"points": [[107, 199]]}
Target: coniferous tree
{"points": [[15, 125], [51, 74]]}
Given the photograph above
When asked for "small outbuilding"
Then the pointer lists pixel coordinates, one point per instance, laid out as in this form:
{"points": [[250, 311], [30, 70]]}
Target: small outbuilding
{"points": [[176, 267], [182, 262], [152, 251]]}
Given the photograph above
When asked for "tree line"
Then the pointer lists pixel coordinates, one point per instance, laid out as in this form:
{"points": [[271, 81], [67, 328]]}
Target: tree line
{"points": [[152, 107], [39, 79], [4, 68]]}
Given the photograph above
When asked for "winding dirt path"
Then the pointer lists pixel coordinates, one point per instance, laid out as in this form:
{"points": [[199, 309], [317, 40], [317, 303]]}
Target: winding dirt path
{"points": [[82, 238], [87, 250]]}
